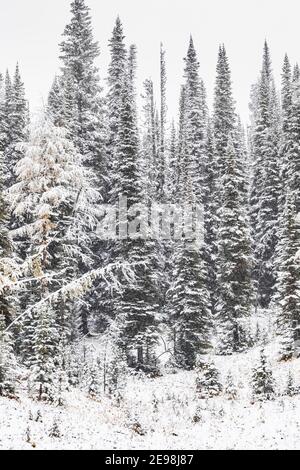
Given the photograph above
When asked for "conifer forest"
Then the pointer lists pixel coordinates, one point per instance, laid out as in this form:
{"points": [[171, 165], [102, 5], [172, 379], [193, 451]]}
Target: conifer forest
{"points": [[149, 263]]}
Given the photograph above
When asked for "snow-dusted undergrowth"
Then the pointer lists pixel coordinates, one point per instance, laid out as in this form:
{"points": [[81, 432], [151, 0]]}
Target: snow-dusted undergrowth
{"points": [[162, 413]]}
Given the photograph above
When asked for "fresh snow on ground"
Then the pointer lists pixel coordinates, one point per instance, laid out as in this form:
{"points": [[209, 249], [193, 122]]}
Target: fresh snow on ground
{"points": [[159, 414]]}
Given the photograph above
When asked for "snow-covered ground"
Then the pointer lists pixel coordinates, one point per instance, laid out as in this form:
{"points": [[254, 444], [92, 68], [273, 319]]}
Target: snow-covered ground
{"points": [[159, 414]]}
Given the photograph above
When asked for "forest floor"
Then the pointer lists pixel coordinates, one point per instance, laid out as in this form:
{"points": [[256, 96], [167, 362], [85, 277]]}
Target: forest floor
{"points": [[160, 414]]}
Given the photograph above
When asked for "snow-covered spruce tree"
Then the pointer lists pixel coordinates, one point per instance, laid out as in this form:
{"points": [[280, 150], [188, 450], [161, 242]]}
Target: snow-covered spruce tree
{"points": [[6, 111], [265, 190], [287, 297], [233, 261], [208, 383], [230, 388], [62, 104], [7, 356], [6, 265], [290, 154], [171, 180], [116, 74], [55, 102], [54, 431], [14, 125], [137, 306], [8, 361], [291, 389], [292, 148], [118, 69], [243, 163], [2, 91], [296, 73], [83, 115], [172, 167], [154, 146], [19, 121], [153, 178], [78, 54], [262, 381], [162, 249], [52, 203], [93, 380], [188, 300], [73, 366], [44, 371], [116, 371], [2, 113], [188, 305], [161, 162], [260, 123], [149, 143], [286, 92], [210, 205], [195, 116], [179, 181], [223, 127], [224, 118], [227, 125]]}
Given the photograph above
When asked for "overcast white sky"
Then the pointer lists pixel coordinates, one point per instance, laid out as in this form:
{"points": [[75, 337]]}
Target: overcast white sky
{"points": [[30, 31]]}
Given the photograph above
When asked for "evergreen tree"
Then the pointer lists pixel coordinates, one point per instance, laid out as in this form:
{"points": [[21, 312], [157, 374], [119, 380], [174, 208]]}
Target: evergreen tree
{"points": [[210, 204], [7, 361], [161, 163], [6, 263], [54, 431], [223, 129], [43, 377], [230, 389], [262, 380], [188, 296], [208, 383], [2, 113], [243, 163], [179, 182], [56, 103], [16, 121], [188, 300], [53, 207], [172, 168], [121, 70], [78, 54], [296, 73], [292, 147], [224, 118], [195, 117], [149, 168], [81, 111], [291, 390], [266, 186], [93, 381], [117, 371], [116, 75], [7, 111], [138, 303], [286, 92], [234, 283], [288, 322], [189, 305]]}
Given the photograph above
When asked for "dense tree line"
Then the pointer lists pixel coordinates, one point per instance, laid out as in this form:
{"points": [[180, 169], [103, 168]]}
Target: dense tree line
{"points": [[60, 280]]}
